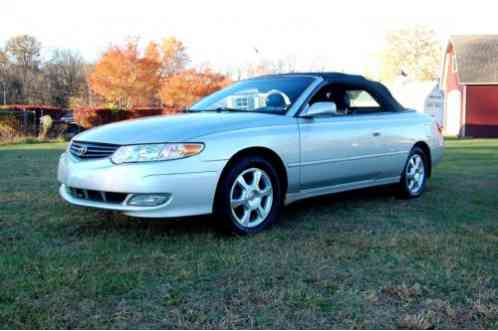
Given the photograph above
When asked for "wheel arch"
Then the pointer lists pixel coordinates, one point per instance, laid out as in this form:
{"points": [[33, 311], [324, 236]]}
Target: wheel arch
{"points": [[427, 150], [264, 152]]}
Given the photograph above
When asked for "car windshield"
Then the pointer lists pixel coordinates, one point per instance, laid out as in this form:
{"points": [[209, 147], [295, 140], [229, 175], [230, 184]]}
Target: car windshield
{"points": [[272, 95]]}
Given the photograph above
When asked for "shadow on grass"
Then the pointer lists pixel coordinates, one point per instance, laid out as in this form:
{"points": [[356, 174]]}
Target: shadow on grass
{"points": [[368, 194], [112, 222], [107, 222]]}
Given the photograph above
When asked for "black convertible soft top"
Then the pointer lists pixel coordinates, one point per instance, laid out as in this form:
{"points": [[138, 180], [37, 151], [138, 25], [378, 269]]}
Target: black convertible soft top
{"points": [[378, 90]]}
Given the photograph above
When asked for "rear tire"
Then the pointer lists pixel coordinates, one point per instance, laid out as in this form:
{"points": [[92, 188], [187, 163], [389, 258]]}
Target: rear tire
{"points": [[414, 177], [249, 196]]}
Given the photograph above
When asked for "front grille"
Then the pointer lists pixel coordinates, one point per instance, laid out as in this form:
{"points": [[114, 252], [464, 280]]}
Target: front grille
{"points": [[87, 151], [98, 196]]}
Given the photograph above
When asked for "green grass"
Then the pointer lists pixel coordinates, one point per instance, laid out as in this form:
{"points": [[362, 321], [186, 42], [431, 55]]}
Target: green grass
{"points": [[359, 260], [29, 140]]}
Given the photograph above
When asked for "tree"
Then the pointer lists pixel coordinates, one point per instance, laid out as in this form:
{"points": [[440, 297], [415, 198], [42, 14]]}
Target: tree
{"points": [[65, 73], [267, 67], [10, 81], [414, 51], [125, 78], [182, 89], [174, 56], [3, 57], [150, 66], [25, 51], [3, 76]]}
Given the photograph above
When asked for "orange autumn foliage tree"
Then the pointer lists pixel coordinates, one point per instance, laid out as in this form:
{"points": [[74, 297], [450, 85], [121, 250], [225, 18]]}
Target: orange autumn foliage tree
{"points": [[125, 78], [174, 56], [183, 89]]}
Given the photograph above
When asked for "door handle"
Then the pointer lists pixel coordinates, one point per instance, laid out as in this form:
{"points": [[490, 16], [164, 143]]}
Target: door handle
{"points": [[376, 134]]}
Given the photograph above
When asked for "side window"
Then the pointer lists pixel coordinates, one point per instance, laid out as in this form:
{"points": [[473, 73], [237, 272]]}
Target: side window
{"points": [[362, 101], [333, 93], [349, 100]]}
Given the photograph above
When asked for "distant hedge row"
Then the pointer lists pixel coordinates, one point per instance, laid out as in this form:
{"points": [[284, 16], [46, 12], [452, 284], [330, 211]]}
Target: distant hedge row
{"points": [[91, 117]]}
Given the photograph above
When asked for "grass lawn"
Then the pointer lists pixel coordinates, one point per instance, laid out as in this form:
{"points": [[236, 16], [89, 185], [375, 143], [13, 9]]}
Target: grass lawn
{"points": [[358, 260]]}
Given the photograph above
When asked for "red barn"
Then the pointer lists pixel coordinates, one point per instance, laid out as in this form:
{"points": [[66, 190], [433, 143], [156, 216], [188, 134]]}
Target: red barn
{"points": [[470, 84]]}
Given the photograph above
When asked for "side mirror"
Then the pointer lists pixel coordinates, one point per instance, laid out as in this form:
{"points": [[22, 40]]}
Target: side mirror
{"points": [[321, 109]]}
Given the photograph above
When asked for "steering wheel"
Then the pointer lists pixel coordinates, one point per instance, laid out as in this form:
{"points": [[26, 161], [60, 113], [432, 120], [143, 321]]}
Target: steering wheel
{"points": [[277, 99]]}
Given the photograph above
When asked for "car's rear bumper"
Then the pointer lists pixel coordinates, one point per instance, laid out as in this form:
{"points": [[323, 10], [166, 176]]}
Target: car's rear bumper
{"points": [[191, 185]]}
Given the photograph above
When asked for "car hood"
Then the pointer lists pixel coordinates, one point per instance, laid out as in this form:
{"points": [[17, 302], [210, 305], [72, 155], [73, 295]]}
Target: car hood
{"points": [[177, 128]]}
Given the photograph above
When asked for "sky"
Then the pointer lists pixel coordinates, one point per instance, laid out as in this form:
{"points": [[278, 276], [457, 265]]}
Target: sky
{"points": [[311, 34]]}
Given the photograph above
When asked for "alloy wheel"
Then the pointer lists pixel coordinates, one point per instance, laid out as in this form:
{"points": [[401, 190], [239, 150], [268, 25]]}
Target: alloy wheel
{"points": [[251, 197], [415, 174]]}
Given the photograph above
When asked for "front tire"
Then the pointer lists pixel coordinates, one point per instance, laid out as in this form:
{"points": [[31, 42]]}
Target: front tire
{"points": [[414, 177], [249, 196]]}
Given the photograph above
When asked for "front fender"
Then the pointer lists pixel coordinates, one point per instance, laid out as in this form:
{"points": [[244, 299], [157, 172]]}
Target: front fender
{"points": [[283, 140]]}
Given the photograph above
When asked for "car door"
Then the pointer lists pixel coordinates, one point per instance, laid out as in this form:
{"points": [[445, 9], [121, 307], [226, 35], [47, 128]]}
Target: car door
{"points": [[337, 149]]}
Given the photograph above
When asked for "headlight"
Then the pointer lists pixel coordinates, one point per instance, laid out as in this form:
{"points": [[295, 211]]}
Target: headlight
{"points": [[155, 152]]}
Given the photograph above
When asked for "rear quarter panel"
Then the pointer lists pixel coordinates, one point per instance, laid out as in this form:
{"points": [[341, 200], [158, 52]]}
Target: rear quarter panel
{"points": [[400, 131], [411, 127]]}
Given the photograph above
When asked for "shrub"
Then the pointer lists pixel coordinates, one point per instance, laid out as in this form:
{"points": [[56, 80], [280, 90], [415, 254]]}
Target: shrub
{"points": [[8, 128], [91, 117], [12, 125]]}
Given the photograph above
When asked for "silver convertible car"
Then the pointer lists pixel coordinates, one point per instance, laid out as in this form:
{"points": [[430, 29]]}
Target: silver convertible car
{"points": [[244, 152]]}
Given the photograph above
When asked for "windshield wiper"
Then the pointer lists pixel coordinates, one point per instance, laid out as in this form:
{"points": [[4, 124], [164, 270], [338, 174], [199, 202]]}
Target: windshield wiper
{"points": [[218, 110], [236, 110]]}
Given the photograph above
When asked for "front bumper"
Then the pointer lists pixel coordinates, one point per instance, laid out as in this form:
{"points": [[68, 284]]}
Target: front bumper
{"points": [[190, 183]]}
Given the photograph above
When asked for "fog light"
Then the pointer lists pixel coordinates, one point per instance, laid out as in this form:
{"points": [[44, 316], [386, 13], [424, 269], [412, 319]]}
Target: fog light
{"points": [[148, 200]]}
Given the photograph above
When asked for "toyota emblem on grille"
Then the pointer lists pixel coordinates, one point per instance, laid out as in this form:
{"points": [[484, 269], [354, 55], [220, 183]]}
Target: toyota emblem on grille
{"points": [[81, 150]]}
